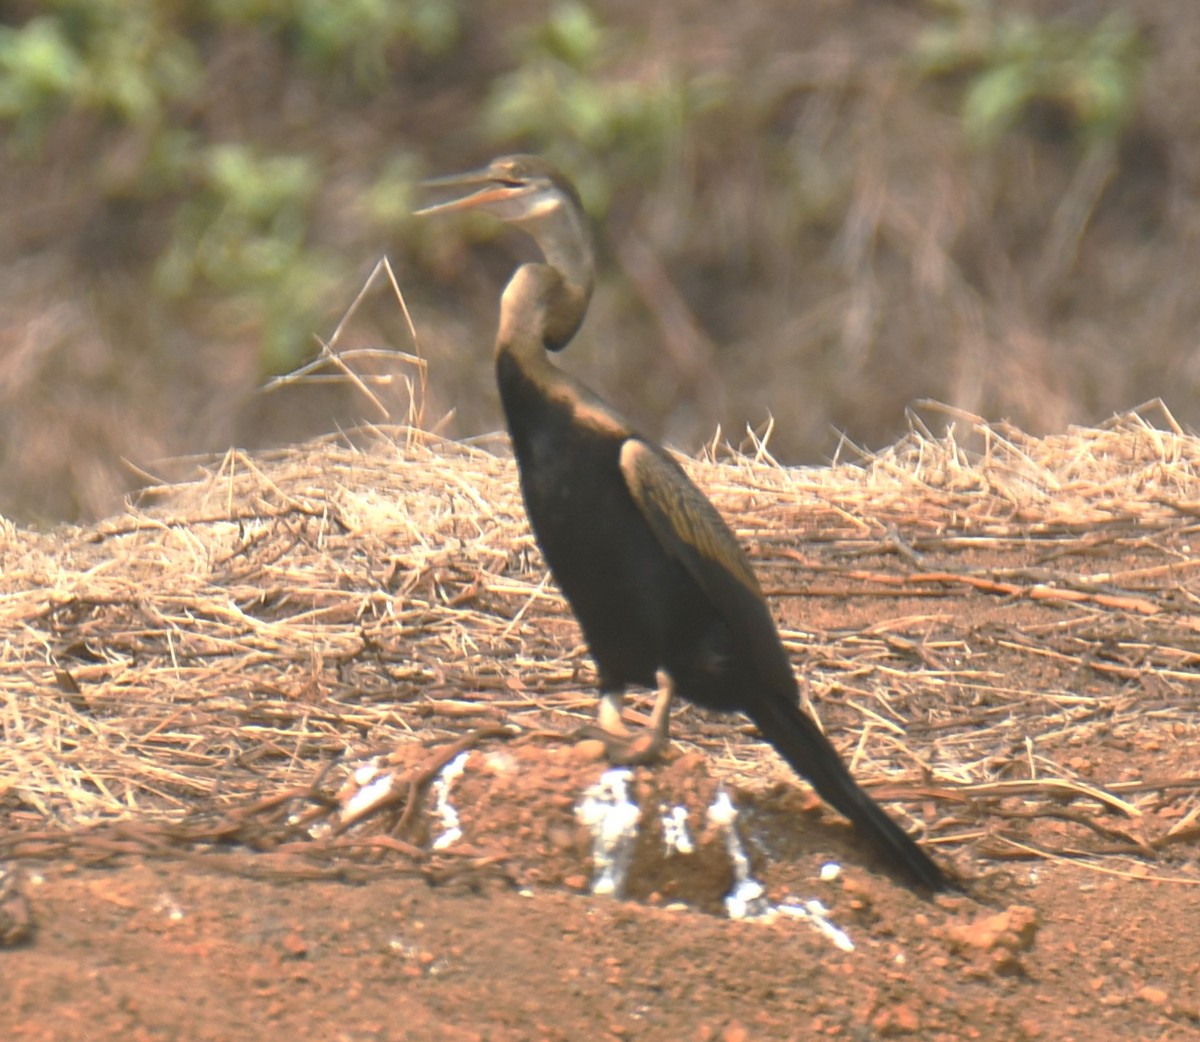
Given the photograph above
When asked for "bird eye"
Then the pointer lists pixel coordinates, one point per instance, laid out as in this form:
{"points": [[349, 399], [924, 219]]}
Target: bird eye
{"points": [[511, 174]]}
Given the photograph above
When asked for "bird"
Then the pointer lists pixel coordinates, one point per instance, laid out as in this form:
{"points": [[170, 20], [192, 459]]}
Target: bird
{"points": [[663, 591]]}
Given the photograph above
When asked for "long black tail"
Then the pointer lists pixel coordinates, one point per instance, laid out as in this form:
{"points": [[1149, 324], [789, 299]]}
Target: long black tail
{"points": [[798, 740]]}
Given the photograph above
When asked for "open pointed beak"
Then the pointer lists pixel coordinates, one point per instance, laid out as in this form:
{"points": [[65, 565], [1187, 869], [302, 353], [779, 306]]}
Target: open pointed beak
{"points": [[491, 192]]}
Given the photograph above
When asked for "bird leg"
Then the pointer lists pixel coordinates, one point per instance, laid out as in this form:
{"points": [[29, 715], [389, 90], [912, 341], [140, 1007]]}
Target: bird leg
{"points": [[624, 746], [608, 714]]}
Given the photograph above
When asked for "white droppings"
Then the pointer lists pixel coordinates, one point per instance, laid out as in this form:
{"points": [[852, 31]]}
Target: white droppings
{"points": [[675, 832], [613, 819], [375, 788], [830, 871], [722, 811], [446, 778], [746, 899], [818, 915], [169, 907], [366, 771]]}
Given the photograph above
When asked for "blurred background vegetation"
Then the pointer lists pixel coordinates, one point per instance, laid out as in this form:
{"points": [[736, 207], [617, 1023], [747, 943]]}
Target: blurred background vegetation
{"points": [[810, 215]]}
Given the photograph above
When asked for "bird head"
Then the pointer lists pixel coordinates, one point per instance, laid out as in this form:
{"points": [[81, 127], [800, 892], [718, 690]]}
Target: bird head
{"points": [[533, 195], [521, 190]]}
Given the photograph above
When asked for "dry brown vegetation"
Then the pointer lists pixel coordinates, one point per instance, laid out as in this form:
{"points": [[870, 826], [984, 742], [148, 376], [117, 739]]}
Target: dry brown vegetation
{"points": [[230, 637]]}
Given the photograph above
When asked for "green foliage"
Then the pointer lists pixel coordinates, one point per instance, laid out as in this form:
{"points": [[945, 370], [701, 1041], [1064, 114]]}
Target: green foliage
{"points": [[37, 66], [567, 98], [242, 218], [119, 57], [243, 232], [1010, 61], [329, 32], [391, 198]]}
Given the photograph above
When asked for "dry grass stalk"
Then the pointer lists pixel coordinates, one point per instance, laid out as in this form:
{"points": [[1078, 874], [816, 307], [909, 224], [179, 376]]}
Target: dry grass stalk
{"points": [[232, 635]]}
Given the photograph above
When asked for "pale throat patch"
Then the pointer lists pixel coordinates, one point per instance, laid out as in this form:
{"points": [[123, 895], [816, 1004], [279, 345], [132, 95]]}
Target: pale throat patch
{"points": [[547, 204]]}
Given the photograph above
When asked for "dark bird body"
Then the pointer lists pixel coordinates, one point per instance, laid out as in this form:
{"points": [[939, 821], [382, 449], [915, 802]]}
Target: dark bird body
{"points": [[655, 577]]}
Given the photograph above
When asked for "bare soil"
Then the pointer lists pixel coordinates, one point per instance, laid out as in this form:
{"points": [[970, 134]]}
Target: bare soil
{"points": [[1080, 920]]}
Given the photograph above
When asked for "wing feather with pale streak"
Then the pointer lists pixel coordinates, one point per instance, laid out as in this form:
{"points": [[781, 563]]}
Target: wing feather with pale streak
{"points": [[691, 530]]}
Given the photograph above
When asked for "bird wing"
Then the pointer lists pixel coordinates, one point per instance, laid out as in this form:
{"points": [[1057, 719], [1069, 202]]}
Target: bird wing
{"points": [[693, 532], [682, 518]]}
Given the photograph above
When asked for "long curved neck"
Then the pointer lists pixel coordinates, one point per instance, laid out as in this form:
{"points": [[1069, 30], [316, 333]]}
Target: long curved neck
{"points": [[544, 304], [539, 310], [548, 301], [563, 236]]}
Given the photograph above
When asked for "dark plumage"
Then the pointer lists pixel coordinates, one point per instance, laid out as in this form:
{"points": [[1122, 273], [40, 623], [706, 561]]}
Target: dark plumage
{"points": [[661, 588]]}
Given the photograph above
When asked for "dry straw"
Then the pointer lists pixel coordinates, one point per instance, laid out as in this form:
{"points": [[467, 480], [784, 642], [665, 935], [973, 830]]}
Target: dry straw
{"points": [[172, 675]]}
